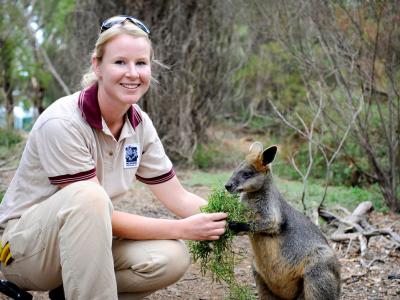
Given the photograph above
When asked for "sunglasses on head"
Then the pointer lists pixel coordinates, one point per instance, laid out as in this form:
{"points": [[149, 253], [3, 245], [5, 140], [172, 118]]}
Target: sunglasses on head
{"points": [[107, 24]]}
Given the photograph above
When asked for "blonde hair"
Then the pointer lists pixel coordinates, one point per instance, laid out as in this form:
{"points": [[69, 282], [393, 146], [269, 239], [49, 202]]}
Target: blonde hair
{"points": [[126, 27]]}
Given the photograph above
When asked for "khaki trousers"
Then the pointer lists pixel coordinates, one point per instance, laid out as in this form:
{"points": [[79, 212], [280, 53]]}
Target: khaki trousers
{"points": [[67, 239]]}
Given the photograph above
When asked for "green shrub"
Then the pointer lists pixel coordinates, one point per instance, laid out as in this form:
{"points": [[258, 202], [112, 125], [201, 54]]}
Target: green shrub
{"points": [[343, 171], [9, 137], [213, 155], [8, 140], [204, 157], [218, 256], [285, 170]]}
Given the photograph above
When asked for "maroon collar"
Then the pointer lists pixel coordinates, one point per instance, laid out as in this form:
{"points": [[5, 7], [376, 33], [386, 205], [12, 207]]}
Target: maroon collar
{"points": [[89, 106]]}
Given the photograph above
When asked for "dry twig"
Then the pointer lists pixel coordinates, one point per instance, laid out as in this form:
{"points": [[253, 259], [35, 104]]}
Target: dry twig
{"points": [[356, 227]]}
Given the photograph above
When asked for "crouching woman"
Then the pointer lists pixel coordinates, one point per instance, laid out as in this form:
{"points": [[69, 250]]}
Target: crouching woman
{"points": [[57, 220]]}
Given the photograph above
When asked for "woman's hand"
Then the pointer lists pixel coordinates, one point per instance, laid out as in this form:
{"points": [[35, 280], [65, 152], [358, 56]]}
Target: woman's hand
{"points": [[203, 226]]}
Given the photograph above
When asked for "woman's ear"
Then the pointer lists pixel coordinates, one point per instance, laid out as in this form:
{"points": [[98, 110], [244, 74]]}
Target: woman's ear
{"points": [[96, 67]]}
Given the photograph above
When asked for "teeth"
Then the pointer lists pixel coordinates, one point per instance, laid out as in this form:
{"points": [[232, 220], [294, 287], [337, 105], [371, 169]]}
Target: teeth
{"points": [[130, 85]]}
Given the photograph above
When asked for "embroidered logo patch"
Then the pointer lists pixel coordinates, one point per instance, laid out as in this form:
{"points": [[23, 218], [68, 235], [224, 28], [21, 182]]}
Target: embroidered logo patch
{"points": [[131, 156]]}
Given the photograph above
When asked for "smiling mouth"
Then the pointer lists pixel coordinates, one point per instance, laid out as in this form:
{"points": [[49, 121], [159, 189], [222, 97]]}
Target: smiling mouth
{"points": [[130, 86]]}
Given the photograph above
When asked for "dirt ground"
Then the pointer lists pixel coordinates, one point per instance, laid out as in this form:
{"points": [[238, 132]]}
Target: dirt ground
{"points": [[361, 279]]}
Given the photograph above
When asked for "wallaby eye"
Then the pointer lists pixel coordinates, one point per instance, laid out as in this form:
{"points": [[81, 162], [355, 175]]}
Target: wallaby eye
{"points": [[247, 174]]}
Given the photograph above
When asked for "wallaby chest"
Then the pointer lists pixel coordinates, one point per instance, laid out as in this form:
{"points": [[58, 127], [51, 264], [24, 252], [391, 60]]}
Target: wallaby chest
{"points": [[282, 278]]}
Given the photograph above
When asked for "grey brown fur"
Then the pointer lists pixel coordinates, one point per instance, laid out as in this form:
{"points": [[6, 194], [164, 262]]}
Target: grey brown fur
{"points": [[292, 259]]}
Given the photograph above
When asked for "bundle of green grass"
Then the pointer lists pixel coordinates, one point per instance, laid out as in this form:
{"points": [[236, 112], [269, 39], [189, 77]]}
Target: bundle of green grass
{"points": [[218, 256]]}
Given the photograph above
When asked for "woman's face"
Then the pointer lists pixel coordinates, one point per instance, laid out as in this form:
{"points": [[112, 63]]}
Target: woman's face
{"points": [[124, 72]]}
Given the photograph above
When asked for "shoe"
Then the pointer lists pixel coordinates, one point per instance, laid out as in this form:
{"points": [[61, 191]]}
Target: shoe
{"points": [[57, 293]]}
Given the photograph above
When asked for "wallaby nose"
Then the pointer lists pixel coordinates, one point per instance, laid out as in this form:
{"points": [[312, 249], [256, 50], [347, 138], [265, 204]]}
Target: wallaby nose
{"points": [[228, 187]]}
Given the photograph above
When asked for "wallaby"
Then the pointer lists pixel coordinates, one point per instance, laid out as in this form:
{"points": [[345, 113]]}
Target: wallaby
{"points": [[292, 258]]}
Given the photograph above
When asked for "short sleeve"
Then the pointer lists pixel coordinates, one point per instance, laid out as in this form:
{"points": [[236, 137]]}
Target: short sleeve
{"points": [[63, 151], [155, 166]]}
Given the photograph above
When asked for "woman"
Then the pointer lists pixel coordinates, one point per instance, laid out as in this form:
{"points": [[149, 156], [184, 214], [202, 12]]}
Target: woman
{"points": [[85, 149]]}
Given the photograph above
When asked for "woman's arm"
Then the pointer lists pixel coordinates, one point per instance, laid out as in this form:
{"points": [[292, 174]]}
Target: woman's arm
{"points": [[193, 226], [196, 227], [176, 198]]}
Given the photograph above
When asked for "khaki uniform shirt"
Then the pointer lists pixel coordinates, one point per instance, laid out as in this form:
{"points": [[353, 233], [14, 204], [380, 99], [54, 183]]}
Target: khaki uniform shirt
{"points": [[70, 142]]}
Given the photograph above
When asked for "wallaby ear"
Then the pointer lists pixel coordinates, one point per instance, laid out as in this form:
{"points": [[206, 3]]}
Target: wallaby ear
{"points": [[256, 147], [269, 155]]}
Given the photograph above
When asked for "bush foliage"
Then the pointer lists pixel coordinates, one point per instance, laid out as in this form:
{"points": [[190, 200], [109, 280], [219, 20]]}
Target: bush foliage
{"points": [[8, 140], [217, 256]]}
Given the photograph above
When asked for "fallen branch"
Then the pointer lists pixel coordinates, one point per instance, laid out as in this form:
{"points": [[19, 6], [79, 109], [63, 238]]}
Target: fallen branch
{"points": [[355, 226]]}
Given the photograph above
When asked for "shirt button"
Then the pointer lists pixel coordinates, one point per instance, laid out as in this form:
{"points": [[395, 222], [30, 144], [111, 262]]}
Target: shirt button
{"points": [[110, 153]]}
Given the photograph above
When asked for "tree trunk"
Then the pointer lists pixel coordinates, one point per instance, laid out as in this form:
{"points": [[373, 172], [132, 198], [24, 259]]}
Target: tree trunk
{"points": [[9, 103], [6, 56]]}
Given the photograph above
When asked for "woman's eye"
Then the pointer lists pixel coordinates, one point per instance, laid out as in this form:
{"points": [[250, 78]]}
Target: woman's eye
{"points": [[141, 63], [119, 62]]}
